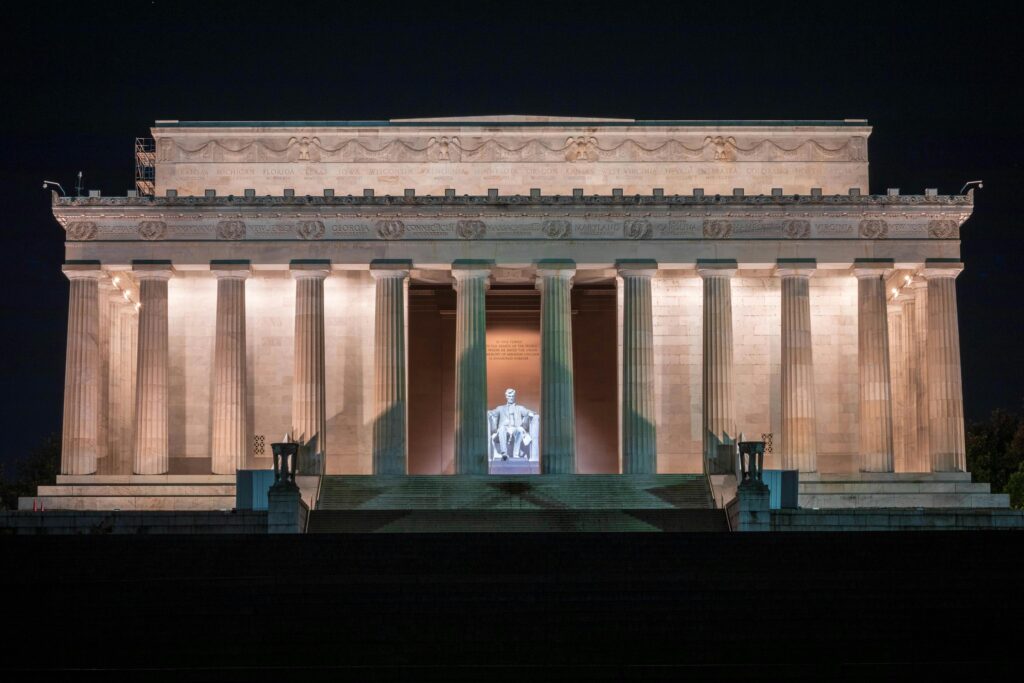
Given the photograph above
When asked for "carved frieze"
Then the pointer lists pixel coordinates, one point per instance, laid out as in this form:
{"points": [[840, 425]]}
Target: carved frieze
{"points": [[152, 230], [311, 230], [231, 230], [717, 229], [874, 229], [637, 229], [470, 229], [81, 231], [390, 229], [796, 229], [557, 229], [943, 229]]}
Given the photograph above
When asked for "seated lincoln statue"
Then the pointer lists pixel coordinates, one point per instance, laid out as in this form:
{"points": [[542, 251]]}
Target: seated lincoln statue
{"points": [[513, 430]]}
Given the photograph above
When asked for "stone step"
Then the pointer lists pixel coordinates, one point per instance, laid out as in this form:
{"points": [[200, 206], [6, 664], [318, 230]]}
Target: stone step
{"points": [[139, 490], [905, 500], [159, 502], [816, 487], [93, 479], [885, 476]]}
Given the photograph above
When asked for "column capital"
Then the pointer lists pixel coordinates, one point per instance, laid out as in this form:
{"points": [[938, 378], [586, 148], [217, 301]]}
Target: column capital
{"points": [[939, 268], [152, 270], [716, 267], [82, 270], [636, 267], [309, 269], [563, 268], [795, 267], [231, 269], [390, 268], [917, 284], [867, 268]]}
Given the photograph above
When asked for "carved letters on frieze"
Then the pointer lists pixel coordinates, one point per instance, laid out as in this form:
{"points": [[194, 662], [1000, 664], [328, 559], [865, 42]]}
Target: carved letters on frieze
{"points": [[577, 148]]}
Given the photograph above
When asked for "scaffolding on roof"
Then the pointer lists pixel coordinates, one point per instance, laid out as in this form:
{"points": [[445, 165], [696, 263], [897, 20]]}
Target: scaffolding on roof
{"points": [[145, 166]]}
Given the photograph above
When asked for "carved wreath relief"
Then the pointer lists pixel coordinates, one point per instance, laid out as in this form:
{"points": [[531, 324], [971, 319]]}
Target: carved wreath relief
{"points": [[152, 230], [311, 230], [874, 229], [390, 229], [82, 232], [942, 229], [557, 229], [637, 229], [717, 228], [796, 229], [231, 230], [470, 229]]}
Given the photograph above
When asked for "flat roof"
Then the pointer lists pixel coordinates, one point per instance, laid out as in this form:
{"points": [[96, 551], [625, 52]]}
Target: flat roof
{"points": [[499, 121]]}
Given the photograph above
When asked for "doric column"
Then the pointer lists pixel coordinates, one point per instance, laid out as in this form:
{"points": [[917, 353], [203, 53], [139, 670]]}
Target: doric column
{"points": [[922, 449], [81, 371], [898, 381], [557, 403], [945, 387], [639, 445], [471, 447], [106, 288], [309, 409], [717, 371], [230, 428], [122, 420], [113, 301], [151, 406], [875, 417], [390, 426], [799, 445], [915, 460]]}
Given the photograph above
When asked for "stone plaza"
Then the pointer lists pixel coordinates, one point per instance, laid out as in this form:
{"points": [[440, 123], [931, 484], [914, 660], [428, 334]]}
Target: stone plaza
{"points": [[653, 291]]}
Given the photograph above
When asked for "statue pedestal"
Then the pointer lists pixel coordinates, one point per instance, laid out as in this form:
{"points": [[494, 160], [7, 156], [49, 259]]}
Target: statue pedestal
{"points": [[518, 466], [286, 511], [755, 514]]}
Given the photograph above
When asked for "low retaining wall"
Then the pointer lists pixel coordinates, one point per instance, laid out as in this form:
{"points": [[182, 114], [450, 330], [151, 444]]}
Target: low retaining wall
{"points": [[895, 519], [133, 522]]}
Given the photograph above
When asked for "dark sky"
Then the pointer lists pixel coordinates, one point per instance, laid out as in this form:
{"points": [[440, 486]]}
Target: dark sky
{"points": [[939, 86]]}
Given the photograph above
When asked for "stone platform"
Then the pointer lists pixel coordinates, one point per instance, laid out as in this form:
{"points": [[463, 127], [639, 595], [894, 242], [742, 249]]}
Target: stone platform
{"points": [[949, 490], [496, 503], [136, 492]]}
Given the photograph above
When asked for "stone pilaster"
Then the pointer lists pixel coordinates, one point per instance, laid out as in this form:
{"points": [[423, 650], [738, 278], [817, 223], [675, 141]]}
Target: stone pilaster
{"points": [[945, 385], [390, 426], [229, 429], [922, 448], [717, 371], [81, 371], [309, 403], [471, 443], [151, 406], [799, 441], [898, 381], [639, 444], [557, 402], [875, 415]]}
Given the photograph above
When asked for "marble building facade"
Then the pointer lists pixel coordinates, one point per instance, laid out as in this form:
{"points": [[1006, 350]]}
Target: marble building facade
{"points": [[345, 282]]}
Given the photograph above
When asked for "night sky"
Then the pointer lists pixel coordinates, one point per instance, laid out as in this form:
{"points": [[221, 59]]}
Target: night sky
{"points": [[939, 86]]}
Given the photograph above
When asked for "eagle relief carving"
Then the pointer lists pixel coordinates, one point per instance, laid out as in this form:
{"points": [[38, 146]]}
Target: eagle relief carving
{"points": [[444, 149], [724, 147], [581, 148]]}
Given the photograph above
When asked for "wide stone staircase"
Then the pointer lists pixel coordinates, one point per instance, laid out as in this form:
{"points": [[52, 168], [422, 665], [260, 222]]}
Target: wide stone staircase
{"points": [[135, 492], [495, 503], [897, 490]]}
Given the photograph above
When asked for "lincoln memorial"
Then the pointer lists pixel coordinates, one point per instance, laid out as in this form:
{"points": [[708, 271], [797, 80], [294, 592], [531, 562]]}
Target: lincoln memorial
{"points": [[651, 291]]}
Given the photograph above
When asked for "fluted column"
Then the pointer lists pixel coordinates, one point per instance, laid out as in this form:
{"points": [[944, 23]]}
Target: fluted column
{"points": [[875, 416], [945, 387], [557, 403], [639, 445], [113, 301], [309, 409], [922, 448], [81, 371], [799, 442], [390, 426], [127, 359], [717, 365], [106, 288], [151, 406], [898, 381], [915, 459], [471, 446], [230, 428]]}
